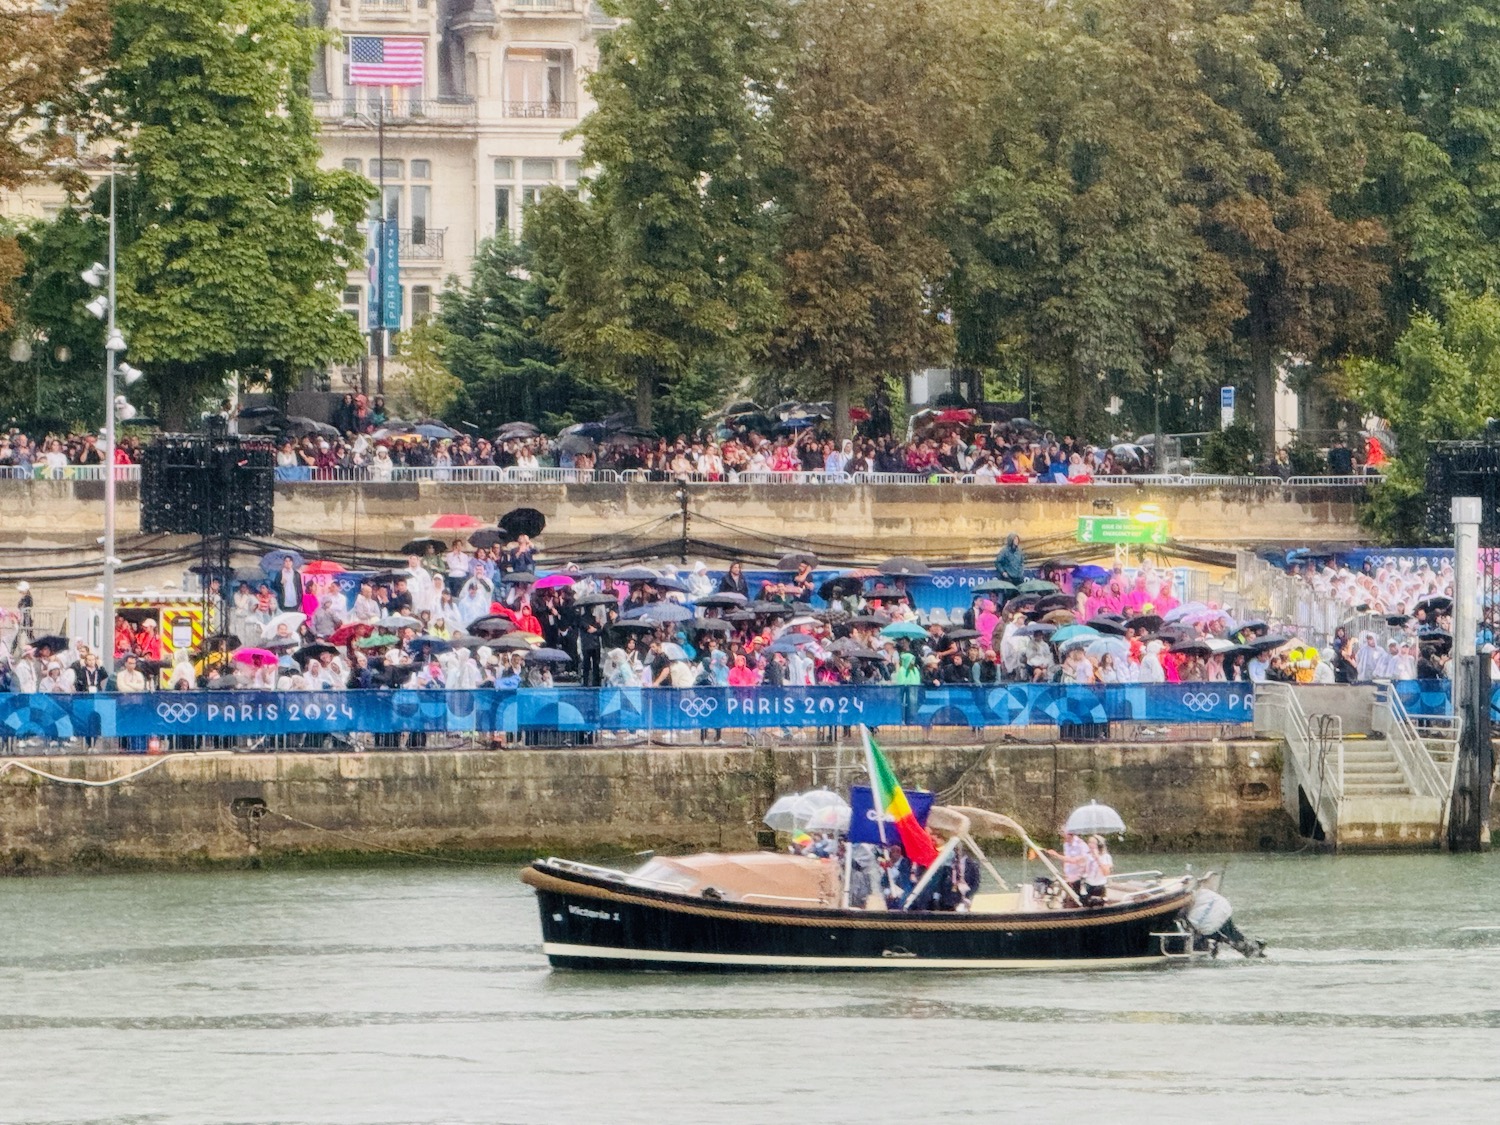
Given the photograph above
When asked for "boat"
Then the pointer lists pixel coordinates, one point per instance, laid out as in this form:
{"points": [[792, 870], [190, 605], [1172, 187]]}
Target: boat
{"points": [[775, 911]]}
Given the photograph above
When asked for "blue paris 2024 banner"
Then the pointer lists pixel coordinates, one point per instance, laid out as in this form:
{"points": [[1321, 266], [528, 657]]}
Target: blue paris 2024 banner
{"points": [[261, 714], [866, 826]]}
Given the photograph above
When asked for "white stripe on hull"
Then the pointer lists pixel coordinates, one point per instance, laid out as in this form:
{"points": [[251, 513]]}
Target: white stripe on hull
{"points": [[755, 960]]}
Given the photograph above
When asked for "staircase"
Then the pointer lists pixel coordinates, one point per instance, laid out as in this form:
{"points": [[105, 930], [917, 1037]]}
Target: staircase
{"points": [[1380, 791]]}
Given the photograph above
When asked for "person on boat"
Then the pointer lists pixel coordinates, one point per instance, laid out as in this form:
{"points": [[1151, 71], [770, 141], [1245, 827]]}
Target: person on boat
{"points": [[895, 876], [1097, 868], [955, 888], [1074, 858]]}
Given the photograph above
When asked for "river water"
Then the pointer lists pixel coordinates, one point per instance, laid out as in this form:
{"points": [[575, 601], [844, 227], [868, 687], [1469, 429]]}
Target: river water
{"points": [[419, 995]]}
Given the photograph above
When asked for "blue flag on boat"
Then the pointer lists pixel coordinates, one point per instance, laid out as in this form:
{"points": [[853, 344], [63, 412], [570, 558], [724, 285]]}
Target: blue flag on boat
{"points": [[864, 827]]}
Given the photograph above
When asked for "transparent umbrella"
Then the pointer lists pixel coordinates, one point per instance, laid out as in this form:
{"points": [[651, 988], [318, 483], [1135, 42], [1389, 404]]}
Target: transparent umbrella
{"points": [[793, 812], [1094, 818]]}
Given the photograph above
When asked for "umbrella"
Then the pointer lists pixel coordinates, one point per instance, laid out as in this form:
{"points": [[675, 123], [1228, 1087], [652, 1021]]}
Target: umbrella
{"points": [[723, 600], [271, 561], [792, 812], [515, 642], [221, 640], [1103, 624], [662, 612], [1070, 632], [802, 620], [961, 634], [767, 608], [741, 615], [637, 574], [1094, 819], [251, 574], [887, 593], [1037, 586], [293, 622], [255, 657], [710, 625], [667, 582], [455, 521], [780, 816], [422, 546], [1037, 629], [1269, 644], [513, 431], [575, 444], [487, 537], [796, 640], [859, 652], [433, 645], [435, 431], [1193, 647], [673, 651], [1114, 646], [1059, 617], [353, 631], [876, 619], [519, 578], [549, 656], [1190, 609], [398, 621], [1089, 570], [1147, 621], [467, 642], [1436, 601], [312, 652], [902, 566], [584, 601], [907, 629], [494, 626], [995, 586], [1259, 628], [554, 582], [322, 566], [794, 559], [638, 625], [376, 640], [1057, 601], [52, 642], [830, 818], [1128, 452], [522, 521], [300, 426]]}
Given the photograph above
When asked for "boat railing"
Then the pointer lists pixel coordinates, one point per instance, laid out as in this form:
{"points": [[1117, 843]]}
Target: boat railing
{"points": [[1132, 875], [755, 896]]}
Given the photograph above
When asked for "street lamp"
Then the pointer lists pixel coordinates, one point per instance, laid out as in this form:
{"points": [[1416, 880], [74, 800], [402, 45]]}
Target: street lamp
{"points": [[104, 307]]}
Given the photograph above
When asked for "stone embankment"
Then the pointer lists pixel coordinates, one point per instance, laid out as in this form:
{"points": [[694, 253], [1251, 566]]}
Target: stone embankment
{"points": [[238, 809]]}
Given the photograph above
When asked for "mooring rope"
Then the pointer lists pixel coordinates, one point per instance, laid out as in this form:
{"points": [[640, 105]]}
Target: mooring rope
{"points": [[16, 764]]}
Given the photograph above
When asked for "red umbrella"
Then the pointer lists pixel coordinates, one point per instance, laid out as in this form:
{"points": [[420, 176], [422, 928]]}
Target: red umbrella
{"points": [[255, 657], [352, 631], [858, 414], [322, 566], [455, 521], [955, 416]]}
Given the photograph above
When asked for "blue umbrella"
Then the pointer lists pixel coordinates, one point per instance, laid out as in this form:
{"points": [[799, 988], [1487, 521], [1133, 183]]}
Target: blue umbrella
{"points": [[907, 629], [1037, 629], [435, 431], [1089, 570], [270, 562], [431, 644], [665, 612], [1072, 632]]}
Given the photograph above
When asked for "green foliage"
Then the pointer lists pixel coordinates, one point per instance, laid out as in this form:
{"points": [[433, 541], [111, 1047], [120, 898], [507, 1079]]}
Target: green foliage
{"points": [[664, 266], [492, 341], [429, 388], [1306, 459], [235, 243], [1236, 450], [1441, 383]]}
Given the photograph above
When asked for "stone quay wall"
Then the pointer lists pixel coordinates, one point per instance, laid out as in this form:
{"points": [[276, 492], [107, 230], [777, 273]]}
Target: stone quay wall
{"points": [[238, 809], [959, 520]]}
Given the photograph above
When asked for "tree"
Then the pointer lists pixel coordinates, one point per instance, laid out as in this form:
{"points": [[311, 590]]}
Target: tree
{"points": [[1441, 383], [429, 388], [235, 243], [871, 120], [665, 265], [494, 342], [49, 51]]}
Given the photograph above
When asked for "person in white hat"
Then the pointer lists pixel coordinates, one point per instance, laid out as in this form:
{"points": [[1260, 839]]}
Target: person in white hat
{"points": [[23, 607]]}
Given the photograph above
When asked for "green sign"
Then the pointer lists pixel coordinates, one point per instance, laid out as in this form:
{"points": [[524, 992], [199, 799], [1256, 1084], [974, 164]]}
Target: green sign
{"points": [[1120, 529]]}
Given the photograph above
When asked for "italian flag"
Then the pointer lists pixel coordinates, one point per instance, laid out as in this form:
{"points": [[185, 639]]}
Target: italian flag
{"points": [[890, 799]]}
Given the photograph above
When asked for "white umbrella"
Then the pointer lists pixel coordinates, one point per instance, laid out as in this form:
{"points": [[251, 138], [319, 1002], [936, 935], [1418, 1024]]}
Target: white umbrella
{"points": [[830, 818], [292, 621], [1094, 818], [1118, 646], [779, 816], [793, 813]]}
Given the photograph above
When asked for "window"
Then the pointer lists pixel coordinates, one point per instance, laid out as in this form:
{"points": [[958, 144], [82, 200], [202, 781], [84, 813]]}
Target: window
{"points": [[505, 168], [353, 302], [421, 169], [421, 205], [393, 203], [393, 169], [538, 83], [353, 164], [421, 303], [570, 171], [502, 210], [538, 170], [352, 295]]}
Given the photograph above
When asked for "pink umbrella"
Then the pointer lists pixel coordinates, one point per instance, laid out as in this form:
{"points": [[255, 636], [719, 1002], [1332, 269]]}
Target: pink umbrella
{"points": [[454, 521], [255, 657], [552, 582]]}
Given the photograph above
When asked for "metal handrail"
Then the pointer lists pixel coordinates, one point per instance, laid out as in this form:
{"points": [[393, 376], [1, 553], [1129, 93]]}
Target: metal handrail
{"points": [[1323, 787], [1412, 756]]}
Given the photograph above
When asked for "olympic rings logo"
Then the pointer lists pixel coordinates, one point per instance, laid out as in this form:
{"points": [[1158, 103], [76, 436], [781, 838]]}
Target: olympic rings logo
{"points": [[942, 581], [698, 706], [176, 712], [1200, 700]]}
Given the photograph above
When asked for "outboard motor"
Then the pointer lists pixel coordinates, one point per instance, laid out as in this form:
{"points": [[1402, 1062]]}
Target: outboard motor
{"points": [[1211, 917]]}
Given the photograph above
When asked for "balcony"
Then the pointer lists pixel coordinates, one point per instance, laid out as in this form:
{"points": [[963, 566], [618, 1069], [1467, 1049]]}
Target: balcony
{"points": [[354, 110], [565, 111], [388, 7], [422, 244]]}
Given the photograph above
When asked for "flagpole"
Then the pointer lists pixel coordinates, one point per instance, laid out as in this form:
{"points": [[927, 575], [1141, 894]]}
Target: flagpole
{"points": [[875, 795], [379, 332]]}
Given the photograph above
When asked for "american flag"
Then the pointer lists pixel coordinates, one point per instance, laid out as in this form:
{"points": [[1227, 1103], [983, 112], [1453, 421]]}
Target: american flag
{"points": [[377, 61]]}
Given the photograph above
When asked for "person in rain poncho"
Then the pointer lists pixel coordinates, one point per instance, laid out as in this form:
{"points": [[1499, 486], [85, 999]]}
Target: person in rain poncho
{"points": [[1367, 657], [1010, 563], [1151, 670], [474, 599], [907, 672]]}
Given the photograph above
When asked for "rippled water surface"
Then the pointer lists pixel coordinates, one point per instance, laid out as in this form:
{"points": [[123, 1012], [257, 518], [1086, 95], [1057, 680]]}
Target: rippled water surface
{"points": [[421, 996]]}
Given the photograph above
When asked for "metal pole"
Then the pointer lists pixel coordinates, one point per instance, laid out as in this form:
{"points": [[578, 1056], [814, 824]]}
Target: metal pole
{"points": [[108, 655], [1160, 455], [379, 332], [1467, 513]]}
